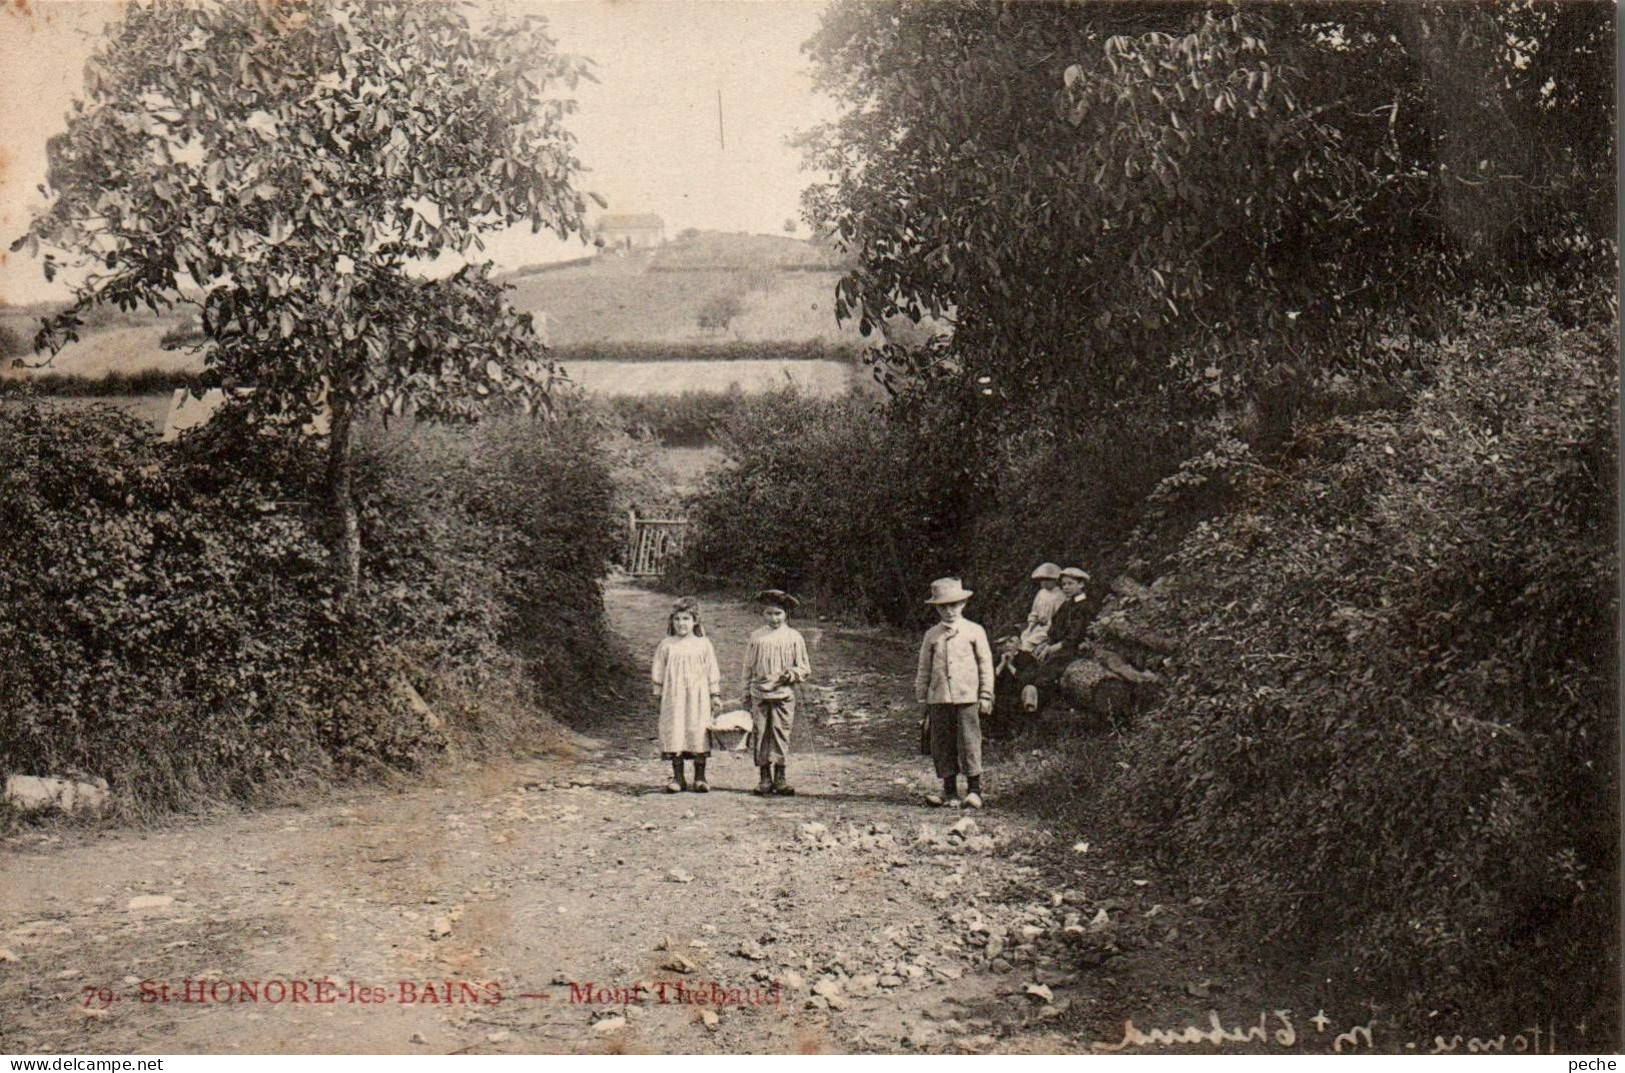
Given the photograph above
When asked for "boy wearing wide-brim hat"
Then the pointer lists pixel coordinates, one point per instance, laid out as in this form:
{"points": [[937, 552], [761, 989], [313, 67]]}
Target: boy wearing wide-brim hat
{"points": [[775, 662], [955, 683]]}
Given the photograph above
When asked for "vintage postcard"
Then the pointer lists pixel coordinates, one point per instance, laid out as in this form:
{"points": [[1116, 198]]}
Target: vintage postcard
{"points": [[808, 527]]}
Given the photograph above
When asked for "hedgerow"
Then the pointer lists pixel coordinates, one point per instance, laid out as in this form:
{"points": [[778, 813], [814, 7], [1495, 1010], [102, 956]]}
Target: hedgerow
{"points": [[818, 496], [1393, 735], [716, 350], [171, 621]]}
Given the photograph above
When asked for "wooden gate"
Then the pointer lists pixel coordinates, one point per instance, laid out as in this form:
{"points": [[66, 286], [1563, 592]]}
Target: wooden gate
{"points": [[652, 542]]}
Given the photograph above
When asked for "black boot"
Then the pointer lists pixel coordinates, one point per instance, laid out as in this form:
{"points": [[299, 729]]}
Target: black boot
{"points": [[780, 786], [677, 784], [765, 785], [700, 785]]}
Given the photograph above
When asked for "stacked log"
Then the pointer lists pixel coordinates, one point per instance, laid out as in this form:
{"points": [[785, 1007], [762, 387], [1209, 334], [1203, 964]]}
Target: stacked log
{"points": [[1121, 674]]}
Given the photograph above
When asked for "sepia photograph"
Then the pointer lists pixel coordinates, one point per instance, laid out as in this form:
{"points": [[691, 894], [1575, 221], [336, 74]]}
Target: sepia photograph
{"points": [[809, 527]]}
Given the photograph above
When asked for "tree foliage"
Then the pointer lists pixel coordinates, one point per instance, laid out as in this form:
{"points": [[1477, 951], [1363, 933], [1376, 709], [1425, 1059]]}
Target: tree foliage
{"points": [[291, 169], [718, 312], [1114, 199]]}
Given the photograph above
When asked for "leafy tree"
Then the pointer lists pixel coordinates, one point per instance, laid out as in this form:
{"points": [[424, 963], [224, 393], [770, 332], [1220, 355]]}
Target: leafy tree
{"points": [[1119, 199], [719, 311], [298, 165], [11, 344]]}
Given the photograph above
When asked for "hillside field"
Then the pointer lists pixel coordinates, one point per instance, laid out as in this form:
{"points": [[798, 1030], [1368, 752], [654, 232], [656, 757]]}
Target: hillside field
{"points": [[785, 289]]}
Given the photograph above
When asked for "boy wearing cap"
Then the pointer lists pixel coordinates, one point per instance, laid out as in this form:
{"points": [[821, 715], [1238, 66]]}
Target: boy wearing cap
{"points": [[775, 661], [955, 683], [1067, 634], [1068, 624]]}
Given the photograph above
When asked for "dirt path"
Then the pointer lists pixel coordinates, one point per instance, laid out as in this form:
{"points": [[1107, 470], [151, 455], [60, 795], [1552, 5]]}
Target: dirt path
{"points": [[481, 892]]}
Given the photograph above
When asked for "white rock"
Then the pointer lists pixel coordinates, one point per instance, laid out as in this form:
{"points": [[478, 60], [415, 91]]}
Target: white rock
{"points": [[678, 875], [419, 1038], [812, 832], [710, 1019], [498, 1036], [6, 955], [608, 1025], [1040, 992], [440, 928], [964, 828], [31, 793], [150, 901], [1101, 922]]}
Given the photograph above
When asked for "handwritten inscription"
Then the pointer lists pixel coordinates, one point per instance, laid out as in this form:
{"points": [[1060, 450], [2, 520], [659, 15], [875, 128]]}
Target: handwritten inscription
{"points": [[1275, 1029], [1282, 1034]]}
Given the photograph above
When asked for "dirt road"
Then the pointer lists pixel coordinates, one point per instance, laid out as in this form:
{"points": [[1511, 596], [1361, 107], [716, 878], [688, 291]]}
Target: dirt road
{"points": [[566, 904]]}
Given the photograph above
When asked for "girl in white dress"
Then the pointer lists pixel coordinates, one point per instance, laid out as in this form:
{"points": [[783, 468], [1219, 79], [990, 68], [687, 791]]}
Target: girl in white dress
{"points": [[687, 682]]}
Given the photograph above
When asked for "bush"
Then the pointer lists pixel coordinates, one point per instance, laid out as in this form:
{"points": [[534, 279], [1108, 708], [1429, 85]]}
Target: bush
{"points": [[692, 419], [719, 311], [186, 332], [862, 504], [829, 498], [171, 624], [12, 344], [1392, 734]]}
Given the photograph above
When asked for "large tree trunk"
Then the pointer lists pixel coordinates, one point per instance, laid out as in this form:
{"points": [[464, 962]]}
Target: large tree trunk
{"points": [[341, 497]]}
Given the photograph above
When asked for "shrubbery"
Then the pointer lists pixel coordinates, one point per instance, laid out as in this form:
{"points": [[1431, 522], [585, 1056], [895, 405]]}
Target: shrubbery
{"points": [[1393, 733], [717, 350], [109, 385], [1392, 736], [692, 419], [171, 623], [809, 498], [861, 504]]}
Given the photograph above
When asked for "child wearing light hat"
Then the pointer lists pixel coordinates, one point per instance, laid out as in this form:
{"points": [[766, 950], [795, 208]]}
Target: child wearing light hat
{"points": [[955, 683], [1046, 601]]}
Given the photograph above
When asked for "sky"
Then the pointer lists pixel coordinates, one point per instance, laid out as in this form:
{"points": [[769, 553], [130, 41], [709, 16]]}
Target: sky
{"points": [[647, 130]]}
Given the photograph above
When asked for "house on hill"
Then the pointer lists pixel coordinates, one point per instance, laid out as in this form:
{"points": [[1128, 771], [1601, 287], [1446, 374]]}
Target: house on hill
{"points": [[631, 231]]}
